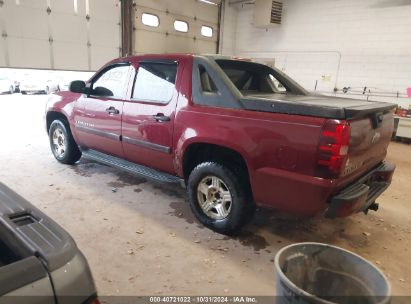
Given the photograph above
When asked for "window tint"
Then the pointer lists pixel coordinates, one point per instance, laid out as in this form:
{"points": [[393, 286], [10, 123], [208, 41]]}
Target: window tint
{"points": [[150, 20], [112, 82], [207, 31], [207, 84], [155, 81], [181, 26]]}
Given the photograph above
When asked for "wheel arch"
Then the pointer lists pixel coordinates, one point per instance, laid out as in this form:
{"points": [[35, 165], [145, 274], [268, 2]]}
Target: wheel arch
{"points": [[198, 152], [52, 116]]}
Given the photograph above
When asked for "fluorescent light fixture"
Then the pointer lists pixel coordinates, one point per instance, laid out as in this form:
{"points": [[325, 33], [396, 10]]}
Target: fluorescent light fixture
{"points": [[208, 2]]}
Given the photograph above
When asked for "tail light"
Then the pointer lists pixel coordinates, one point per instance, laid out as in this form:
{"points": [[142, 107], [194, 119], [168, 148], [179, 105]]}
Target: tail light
{"points": [[332, 152], [93, 300]]}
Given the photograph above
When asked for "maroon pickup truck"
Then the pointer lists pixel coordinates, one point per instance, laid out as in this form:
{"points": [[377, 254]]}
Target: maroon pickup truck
{"points": [[236, 133]]}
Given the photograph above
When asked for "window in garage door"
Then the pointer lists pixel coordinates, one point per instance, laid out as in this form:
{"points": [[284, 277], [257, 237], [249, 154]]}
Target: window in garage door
{"points": [[150, 20], [194, 18], [181, 26], [207, 31]]}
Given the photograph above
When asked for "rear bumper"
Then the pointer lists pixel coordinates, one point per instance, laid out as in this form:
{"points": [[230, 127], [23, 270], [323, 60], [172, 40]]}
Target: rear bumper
{"points": [[361, 195]]}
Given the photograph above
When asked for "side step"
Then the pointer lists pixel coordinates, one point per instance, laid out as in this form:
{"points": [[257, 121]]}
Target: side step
{"points": [[132, 168]]}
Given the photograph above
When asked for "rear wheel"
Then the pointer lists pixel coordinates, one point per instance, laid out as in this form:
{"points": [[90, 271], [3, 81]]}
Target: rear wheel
{"points": [[219, 198], [62, 143]]}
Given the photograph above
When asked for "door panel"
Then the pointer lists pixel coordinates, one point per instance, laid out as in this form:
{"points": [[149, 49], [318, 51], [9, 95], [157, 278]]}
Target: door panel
{"points": [[148, 118], [98, 116], [96, 128]]}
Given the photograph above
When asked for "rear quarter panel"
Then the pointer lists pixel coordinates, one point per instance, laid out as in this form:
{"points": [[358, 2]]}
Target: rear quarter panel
{"points": [[279, 150]]}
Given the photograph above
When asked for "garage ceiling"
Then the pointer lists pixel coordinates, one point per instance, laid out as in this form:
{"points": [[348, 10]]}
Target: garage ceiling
{"points": [[164, 38], [59, 34]]}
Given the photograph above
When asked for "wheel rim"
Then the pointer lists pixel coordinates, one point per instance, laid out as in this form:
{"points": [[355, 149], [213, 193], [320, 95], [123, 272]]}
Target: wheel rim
{"points": [[214, 197], [59, 142]]}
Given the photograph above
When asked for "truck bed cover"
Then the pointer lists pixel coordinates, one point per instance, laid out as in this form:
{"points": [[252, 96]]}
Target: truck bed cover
{"points": [[42, 237], [313, 105]]}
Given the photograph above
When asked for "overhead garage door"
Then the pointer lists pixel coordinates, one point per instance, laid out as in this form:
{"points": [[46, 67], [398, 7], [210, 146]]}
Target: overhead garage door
{"points": [[197, 21], [59, 34]]}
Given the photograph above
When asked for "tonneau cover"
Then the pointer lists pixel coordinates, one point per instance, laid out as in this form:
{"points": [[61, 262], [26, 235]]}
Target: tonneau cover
{"points": [[313, 105], [42, 237]]}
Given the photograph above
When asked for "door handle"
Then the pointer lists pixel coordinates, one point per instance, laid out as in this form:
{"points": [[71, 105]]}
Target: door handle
{"points": [[112, 111], [160, 117]]}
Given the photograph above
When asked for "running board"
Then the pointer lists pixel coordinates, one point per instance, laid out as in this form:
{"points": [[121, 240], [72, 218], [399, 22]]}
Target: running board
{"points": [[132, 168]]}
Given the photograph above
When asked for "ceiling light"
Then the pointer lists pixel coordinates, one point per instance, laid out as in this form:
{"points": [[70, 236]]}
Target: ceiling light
{"points": [[208, 2]]}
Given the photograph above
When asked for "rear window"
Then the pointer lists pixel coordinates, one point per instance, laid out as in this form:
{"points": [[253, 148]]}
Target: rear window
{"points": [[254, 78], [155, 82]]}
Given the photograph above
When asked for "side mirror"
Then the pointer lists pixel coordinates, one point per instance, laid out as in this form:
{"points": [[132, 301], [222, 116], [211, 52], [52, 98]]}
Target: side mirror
{"points": [[77, 86]]}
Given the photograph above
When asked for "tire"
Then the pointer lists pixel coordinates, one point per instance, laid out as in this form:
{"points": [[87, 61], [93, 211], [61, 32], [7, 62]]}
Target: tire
{"points": [[23, 92], [11, 90], [236, 213], [62, 143]]}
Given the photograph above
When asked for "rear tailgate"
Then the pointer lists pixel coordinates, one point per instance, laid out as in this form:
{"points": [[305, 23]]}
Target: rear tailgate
{"points": [[370, 137], [371, 123]]}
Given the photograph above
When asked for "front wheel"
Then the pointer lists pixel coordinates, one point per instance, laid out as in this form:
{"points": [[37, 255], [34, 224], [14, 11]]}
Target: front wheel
{"points": [[11, 90], [220, 199], [62, 143]]}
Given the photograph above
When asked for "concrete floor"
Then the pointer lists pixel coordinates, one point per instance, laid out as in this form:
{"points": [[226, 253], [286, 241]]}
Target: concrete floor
{"points": [[143, 240]]}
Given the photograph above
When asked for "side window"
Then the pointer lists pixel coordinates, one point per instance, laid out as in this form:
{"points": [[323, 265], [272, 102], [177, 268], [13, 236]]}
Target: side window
{"points": [[207, 84], [155, 82], [111, 83], [278, 87]]}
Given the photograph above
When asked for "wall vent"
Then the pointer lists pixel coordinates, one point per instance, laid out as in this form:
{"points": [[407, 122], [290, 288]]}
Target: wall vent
{"points": [[267, 13], [276, 12]]}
